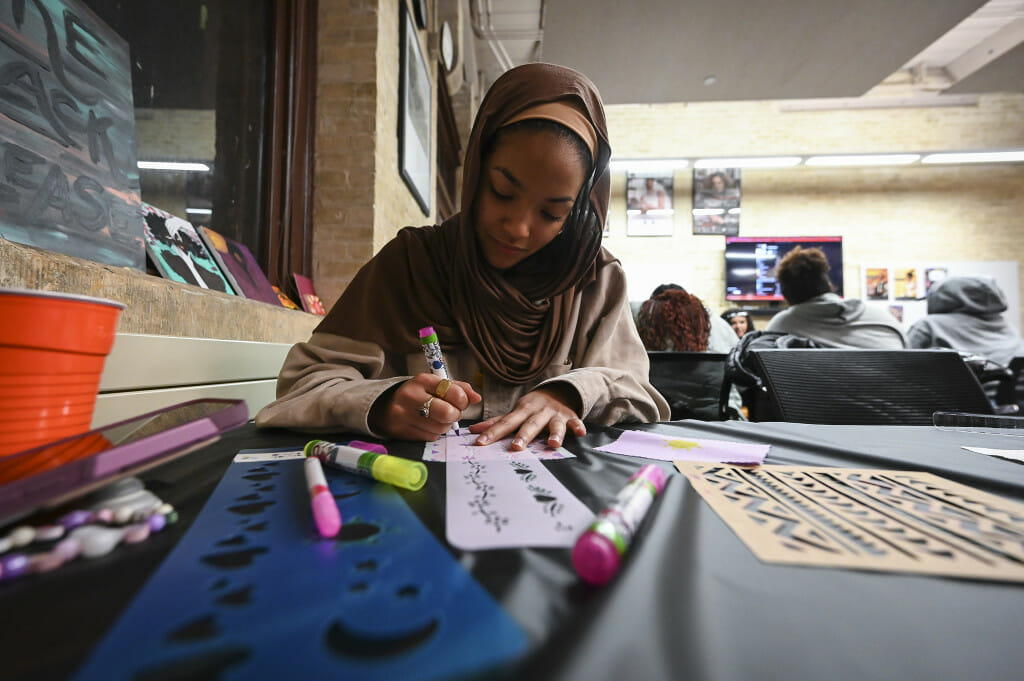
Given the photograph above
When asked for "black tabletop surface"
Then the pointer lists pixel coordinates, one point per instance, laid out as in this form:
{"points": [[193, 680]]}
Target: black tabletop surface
{"points": [[691, 600]]}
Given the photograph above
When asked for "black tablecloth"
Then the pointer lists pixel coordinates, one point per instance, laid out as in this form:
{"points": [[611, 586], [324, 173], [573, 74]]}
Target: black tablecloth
{"points": [[691, 601]]}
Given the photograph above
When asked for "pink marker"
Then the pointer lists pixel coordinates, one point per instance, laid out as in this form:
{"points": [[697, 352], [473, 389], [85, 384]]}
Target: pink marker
{"points": [[325, 509], [599, 550]]}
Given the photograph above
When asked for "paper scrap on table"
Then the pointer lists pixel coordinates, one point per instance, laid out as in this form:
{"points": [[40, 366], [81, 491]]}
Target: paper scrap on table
{"points": [[1015, 454], [509, 502], [674, 448], [439, 449]]}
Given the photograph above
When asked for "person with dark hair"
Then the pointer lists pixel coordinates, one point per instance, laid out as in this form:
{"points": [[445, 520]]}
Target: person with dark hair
{"points": [[530, 310], [674, 320], [739, 320], [965, 313], [816, 312]]}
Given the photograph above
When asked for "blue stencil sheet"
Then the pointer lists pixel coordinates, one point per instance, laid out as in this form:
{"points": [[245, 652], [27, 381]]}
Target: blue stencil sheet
{"points": [[251, 591]]}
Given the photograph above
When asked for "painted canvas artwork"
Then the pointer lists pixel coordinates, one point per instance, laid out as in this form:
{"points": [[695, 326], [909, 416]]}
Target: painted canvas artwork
{"points": [[239, 266], [307, 295], [178, 252], [285, 300], [70, 181]]}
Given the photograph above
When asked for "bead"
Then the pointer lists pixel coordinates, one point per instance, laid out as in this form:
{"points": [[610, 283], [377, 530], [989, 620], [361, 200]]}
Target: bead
{"points": [[97, 540], [165, 509], [22, 535], [13, 566], [5, 544], [75, 519], [122, 515], [105, 514], [157, 522], [49, 532], [45, 562], [133, 534], [68, 548]]}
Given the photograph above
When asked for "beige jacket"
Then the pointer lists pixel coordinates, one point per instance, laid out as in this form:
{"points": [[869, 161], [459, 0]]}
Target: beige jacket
{"points": [[330, 382]]}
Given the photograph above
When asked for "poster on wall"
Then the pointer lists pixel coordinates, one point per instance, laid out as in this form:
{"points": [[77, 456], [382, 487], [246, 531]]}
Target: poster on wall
{"points": [[70, 181], [716, 201], [876, 283], [649, 210], [907, 284], [932, 276]]}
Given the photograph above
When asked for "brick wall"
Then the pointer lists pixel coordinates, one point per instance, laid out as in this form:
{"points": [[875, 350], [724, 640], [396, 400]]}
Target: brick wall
{"points": [[361, 200], [885, 215]]}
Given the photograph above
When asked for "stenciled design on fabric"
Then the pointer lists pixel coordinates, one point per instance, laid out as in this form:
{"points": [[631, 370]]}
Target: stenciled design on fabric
{"points": [[899, 521], [252, 591]]}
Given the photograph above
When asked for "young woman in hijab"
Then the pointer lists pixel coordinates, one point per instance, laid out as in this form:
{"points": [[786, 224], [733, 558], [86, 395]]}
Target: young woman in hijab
{"points": [[530, 310]]}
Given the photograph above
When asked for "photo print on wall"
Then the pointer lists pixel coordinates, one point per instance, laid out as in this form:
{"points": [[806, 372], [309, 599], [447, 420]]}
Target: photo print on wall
{"points": [[649, 210], [716, 201]]}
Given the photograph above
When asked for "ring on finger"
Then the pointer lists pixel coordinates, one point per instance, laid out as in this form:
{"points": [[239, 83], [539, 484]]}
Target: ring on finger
{"points": [[442, 388], [425, 409]]}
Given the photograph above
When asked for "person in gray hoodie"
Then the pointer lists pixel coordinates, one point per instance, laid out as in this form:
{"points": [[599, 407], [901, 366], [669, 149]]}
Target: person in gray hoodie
{"points": [[965, 313], [815, 311]]}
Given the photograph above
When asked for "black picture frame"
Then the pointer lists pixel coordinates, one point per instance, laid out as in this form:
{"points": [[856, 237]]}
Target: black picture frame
{"points": [[415, 114]]}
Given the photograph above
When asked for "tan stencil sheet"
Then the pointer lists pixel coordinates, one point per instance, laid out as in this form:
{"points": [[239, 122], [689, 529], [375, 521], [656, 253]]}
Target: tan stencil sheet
{"points": [[899, 521]]}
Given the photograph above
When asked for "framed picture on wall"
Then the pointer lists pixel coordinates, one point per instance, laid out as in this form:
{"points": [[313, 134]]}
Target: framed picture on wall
{"points": [[415, 113], [649, 210], [716, 201]]}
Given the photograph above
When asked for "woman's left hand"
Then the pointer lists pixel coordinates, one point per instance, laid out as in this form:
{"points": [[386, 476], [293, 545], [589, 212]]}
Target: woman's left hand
{"points": [[536, 411]]}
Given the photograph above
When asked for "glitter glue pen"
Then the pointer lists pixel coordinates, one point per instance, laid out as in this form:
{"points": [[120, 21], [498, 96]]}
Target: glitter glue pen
{"points": [[325, 509], [435, 359], [394, 470], [599, 550]]}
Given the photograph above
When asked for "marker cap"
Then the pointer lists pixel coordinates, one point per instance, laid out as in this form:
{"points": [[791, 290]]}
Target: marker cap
{"points": [[394, 470], [326, 515], [595, 558]]}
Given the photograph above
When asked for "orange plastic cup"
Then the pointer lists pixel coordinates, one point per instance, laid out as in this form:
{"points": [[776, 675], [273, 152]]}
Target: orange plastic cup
{"points": [[52, 350]]}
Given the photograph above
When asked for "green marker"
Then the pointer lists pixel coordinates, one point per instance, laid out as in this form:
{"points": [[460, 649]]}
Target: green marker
{"points": [[394, 470]]}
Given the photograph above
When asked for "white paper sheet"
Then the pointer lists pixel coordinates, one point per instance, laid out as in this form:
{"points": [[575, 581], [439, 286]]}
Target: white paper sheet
{"points": [[1015, 454], [496, 451], [673, 448], [507, 502]]}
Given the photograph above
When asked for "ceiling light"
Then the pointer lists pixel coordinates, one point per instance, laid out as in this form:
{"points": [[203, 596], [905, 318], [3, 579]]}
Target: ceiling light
{"points": [[976, 157], [173, 165], [648, 165], [748, 162], [200, 211], [863, 160]]}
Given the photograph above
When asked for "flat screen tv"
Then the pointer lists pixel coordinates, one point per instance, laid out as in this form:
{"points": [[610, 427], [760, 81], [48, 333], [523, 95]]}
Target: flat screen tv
{"points": [[750, 264]]}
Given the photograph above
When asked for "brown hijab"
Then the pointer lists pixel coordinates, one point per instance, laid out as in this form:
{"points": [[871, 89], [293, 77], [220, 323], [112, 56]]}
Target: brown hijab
{"points": [[512, 320]]}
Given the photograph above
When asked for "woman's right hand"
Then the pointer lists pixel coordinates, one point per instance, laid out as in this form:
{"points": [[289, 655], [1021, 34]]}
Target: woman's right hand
{"points": [[398, 414]]}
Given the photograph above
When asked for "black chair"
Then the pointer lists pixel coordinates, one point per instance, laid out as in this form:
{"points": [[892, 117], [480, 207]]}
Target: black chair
{"points": [[690, 381], [864, 387], [1010, 392]]}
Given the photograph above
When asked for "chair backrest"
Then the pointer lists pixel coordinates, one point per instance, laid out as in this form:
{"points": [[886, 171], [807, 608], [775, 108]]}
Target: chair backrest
{"points": [[861, 387], [690, 381], [1011, 390]]}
